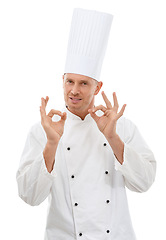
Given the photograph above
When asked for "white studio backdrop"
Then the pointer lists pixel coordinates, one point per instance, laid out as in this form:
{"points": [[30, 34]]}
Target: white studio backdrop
{"points": [[33, 42]]}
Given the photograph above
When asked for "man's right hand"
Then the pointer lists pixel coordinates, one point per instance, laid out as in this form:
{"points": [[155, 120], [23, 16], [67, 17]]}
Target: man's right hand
{"points": [[54, 130]]}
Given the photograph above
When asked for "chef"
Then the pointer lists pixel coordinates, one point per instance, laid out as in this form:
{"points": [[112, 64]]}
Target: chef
{"points": [[83, 158]]}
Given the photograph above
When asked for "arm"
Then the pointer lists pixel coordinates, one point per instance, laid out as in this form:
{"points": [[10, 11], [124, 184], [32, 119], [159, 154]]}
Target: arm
{"points": [[107, 124], [133, 158], [117, 146], [53, 130], [33, 179], [35, 175], [139, 166]]}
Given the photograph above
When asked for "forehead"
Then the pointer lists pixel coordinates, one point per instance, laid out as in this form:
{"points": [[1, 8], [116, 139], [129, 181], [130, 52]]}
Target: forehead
{"points": [[78, 77]]}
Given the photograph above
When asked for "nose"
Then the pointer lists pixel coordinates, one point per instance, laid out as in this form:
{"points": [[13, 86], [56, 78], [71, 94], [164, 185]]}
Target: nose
{"points": [[75, 90]]}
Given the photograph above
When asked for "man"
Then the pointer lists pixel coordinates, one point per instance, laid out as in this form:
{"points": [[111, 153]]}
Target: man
{"points": [[83, 157]]}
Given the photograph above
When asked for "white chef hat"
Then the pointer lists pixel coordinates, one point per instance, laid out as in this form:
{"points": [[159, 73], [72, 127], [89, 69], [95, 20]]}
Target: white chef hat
{"points": [[87, 42]]}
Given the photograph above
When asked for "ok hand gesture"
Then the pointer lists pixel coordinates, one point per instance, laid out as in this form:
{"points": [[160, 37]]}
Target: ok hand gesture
{"points": [[107, 122], [54, 130]]}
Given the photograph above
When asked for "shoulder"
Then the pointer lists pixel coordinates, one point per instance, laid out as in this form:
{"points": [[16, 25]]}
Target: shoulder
{"points": [[125, 123], [125, 128]]}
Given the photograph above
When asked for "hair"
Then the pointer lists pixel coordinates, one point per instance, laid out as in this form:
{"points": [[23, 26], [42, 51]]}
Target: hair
{"points": [[90, 77]]}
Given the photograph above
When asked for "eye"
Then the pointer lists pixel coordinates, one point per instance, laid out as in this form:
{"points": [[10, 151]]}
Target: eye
{"points": [[84, 83], [69, 81]]}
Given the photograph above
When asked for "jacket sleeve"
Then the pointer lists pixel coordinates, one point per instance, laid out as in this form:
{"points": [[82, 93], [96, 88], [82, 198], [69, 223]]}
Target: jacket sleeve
{"points": [[33, 179], [139, 165]]}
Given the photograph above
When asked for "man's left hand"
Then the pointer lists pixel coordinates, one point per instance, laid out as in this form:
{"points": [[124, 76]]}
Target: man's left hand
{"points": [[107, 122]]}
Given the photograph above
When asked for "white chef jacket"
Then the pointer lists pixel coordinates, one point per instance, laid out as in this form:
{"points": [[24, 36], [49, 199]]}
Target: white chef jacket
{"points": [[86, 188]]}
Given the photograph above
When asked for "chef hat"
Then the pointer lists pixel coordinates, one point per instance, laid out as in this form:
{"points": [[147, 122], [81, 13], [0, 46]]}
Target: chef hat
{"points": [[87, 42]]}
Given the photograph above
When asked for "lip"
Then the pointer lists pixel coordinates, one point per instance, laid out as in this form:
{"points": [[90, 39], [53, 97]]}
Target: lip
{"points": [[75, 100]]}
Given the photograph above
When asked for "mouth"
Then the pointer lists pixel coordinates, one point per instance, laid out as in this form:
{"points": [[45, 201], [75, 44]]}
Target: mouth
{"points": [[75, 100]]}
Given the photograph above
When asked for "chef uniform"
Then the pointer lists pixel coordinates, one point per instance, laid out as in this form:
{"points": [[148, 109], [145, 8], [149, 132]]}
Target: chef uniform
{"points": [[86, 188]]}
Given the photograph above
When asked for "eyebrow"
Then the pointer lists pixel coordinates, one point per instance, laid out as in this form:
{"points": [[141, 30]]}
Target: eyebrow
{"points": [[81, 80]]}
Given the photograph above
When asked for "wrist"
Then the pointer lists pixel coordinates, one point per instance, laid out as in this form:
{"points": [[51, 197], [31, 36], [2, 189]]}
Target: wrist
{"points": [[52, 143], [49, 154], [117, 146], [112, 138]]}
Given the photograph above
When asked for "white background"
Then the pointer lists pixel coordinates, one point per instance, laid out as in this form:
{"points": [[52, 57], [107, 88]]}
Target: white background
{"points": [[33, 42]]}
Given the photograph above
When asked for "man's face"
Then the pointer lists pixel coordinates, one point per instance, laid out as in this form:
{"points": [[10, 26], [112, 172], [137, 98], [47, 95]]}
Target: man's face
{"points": [[79, 93]]}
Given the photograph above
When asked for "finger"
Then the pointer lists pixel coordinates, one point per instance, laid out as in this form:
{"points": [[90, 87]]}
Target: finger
{"points": [[53, 112], [93, 115], [64, 116], [42, 107], [42, 113], [46, 101], [100, 107], [121, 111], [43, 103], [116, 105], [107, 102]]}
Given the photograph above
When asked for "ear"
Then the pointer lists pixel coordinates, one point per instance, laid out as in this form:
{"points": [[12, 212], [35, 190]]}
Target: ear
{"points": [[98, 87], [63, 77]]}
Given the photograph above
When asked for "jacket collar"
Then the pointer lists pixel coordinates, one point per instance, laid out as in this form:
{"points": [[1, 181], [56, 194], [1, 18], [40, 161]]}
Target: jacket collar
{"points": [[72, 116]]}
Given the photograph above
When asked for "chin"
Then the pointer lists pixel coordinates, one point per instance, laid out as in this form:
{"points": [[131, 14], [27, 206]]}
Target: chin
{"points": [[76, 108]]}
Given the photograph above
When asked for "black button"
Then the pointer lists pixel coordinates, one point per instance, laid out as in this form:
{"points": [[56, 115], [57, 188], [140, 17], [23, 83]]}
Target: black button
{"points": [[72, 176], [105, 144], [107, 201], [80, 234], [68, 148], [108, 231], [76, 204], [106, 172]]}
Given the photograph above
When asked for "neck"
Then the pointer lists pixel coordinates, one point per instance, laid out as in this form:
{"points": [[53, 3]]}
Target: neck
{"points": [[82, 114]]}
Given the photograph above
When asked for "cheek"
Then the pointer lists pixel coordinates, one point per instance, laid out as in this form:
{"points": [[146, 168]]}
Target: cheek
{"points": [[66, 89], [92, 91], [65, 93], [90, 95]]}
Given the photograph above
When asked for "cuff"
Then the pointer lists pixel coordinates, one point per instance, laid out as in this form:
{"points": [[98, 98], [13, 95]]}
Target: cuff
{"points": [[118, 165], [45, 171]]}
